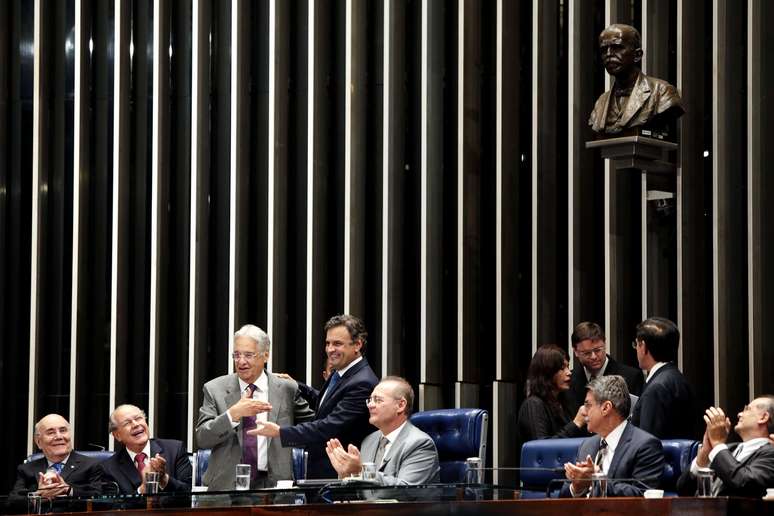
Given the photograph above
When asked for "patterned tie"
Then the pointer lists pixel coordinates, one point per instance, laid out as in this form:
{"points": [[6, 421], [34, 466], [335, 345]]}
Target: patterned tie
{"points": [[601, 453], [383, 442], [250, 442], [58, 467], [139, 459]]}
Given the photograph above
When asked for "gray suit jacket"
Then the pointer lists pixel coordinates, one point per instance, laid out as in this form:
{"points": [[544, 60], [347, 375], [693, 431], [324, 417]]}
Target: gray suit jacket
{"points": [[411, 459], [214, 429]]}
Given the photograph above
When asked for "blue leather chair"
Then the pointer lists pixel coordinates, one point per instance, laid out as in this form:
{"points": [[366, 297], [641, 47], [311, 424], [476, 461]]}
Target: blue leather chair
{"points": [[458, 434], [553, 453], [678, 455], [550, 454]]}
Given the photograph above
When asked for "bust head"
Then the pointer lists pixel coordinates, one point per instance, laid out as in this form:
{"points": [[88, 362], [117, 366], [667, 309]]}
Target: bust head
{"points": [[620, 46]]}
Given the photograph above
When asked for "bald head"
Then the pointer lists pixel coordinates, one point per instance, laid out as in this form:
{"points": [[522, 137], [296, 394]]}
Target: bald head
{"points": [[52, 436]]}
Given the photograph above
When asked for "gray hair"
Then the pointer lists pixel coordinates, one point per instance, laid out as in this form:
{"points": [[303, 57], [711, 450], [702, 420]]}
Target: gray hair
{"points": [[768, 406], [403, 390], [255, 334], [113, 424], [611, 388]]}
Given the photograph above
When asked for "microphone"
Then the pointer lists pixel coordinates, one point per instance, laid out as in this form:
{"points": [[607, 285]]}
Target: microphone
{"points": [[97, 446]]}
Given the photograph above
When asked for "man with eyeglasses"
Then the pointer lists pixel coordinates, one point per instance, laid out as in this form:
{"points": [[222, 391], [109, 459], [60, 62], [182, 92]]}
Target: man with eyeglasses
{"points": [[236, 403], [667, 406], [340, 411], [590, 349], [61, 471], [403, 454], [141, 454]]}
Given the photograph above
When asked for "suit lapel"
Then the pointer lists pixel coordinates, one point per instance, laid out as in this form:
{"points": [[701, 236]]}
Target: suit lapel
{"points": [[233, 393], [344, 379], [599, 121], [395, 446], [72, 464], [128, 469], [626, 436], [638, 97]]}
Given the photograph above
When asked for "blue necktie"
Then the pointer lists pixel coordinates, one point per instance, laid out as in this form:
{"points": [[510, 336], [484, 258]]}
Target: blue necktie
{"points": [[58, 467], [334, 380]]}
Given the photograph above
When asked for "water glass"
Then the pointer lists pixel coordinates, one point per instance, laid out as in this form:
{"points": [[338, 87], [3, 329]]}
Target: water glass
{"points": [[152, 482], [368, 471], [598, 485], [35, 503], [473, 471], [242, 477], [704, 482]]}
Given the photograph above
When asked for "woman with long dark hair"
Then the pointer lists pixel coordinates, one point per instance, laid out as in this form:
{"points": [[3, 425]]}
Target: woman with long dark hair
{"points": [[545, 414]]}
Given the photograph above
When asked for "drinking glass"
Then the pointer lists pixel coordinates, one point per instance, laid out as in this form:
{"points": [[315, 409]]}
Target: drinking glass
{"points": [[242, 477]]}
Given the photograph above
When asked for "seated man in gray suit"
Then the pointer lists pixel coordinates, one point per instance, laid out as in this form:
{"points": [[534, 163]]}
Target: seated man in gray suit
{"points": [[403, 454], [234, 403], [620, 449]]}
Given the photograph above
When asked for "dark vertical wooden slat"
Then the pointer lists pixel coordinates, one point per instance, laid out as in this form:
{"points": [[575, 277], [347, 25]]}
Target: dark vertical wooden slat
{"points": [[730, 203], [586, 220], [432, 295], [760, 74], [694, 187]]}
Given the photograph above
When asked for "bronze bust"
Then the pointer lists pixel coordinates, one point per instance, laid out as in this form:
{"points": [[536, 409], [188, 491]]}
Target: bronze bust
{"points": [[635, 100]]}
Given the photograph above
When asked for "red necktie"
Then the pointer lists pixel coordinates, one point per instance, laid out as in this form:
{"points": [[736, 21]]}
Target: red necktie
{"points": [[139, 459]]}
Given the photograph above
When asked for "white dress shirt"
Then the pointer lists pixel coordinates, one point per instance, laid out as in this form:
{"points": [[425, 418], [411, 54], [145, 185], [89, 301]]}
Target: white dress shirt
{"points": [[656, 367], [390, 439]]}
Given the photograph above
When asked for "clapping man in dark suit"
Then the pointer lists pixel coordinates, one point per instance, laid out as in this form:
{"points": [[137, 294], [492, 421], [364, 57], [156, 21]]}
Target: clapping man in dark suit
{"points": [[141, 454], [589, 346], [742, 469], [61, 471], [667, 405], [340, 407], [620, 449], [403, 454]]}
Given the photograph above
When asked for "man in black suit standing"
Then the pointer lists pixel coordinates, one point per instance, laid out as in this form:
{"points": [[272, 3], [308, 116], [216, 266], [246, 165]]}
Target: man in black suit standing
{"points": [[141, 454], [340, 406], [620, 449], [61, 471], [589, 346], [667, 406], [742, 469]]}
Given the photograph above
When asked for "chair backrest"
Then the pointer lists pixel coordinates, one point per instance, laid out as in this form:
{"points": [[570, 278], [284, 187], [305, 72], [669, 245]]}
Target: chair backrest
{"points": [[550, 454], [100, 455], [678, 454], [458, 434]]}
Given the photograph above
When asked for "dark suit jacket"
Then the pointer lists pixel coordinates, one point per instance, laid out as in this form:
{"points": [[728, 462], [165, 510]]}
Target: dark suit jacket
{"points": [[749, 478], [342, 414], [667, 406], [80, 472], [121, 469], [633, 376], [639, 455]]}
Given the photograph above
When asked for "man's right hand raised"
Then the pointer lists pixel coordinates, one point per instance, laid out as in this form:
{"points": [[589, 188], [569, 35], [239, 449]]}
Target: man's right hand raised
{"points": [[246, 407]]}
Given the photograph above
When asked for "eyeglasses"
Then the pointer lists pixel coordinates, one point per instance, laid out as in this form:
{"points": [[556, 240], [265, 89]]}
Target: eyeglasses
{"points": [[139, 418], [377, 400], [236, 355], [589, 353]]}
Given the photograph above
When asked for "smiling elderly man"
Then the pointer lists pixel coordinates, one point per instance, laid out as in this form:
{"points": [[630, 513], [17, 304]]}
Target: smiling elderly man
{"points": [[142, 454], [403, 454], [61, 471]]}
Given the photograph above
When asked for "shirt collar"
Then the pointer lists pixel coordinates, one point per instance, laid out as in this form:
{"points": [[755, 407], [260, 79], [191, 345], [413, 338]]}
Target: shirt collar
{"points": [[63, 461], [614, 437], [145, 450], [653, 370], [394, 434], [601, 369], [753, 444], [262, 382], [349, 366]]}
